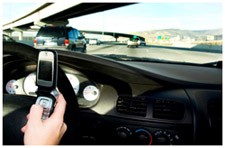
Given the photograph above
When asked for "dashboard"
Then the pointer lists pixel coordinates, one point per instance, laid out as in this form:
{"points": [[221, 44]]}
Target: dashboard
{"points": [[86, 90], [133, 102]]}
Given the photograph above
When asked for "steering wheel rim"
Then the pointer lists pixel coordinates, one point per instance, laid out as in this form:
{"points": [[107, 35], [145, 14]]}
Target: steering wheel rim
{"points": [[71, 117]]}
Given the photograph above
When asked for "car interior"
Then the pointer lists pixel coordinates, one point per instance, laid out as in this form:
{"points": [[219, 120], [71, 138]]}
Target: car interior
{"points": [[132, 102]]}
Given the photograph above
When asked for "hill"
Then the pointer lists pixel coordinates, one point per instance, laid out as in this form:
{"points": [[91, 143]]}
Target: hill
{"points": [[171, 33]]}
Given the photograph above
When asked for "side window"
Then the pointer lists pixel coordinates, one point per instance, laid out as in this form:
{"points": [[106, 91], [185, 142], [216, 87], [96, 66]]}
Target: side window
{"points": [[71, 34], [6, 38], [79, 34]]}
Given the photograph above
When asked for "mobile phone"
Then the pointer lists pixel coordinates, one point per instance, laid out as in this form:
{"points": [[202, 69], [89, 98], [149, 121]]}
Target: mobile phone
{"points": [[48, 103], [47, 69], [47, 75]]}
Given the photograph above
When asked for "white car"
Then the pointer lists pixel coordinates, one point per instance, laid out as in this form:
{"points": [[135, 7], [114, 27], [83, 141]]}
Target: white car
{"points": [[132, 43], [94, 42], [141, 42]]}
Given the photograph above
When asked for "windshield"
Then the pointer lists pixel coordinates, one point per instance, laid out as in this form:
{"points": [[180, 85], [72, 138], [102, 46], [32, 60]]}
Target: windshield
{"points": [[162, 32]]}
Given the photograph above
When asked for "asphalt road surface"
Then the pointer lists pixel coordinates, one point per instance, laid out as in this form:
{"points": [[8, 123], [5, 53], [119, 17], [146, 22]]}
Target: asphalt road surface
{"points": [[155, 52], [160, 53]]}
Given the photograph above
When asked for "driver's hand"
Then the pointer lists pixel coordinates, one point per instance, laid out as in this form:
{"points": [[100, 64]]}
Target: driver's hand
{"points": [[48, 131]]}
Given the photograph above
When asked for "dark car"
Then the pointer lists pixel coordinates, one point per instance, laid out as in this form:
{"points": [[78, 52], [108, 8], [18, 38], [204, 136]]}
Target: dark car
{"points": [[58, 37]]}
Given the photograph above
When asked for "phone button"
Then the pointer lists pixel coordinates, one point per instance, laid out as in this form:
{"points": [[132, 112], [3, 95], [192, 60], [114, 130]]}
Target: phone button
{"points": [[44, 103]]}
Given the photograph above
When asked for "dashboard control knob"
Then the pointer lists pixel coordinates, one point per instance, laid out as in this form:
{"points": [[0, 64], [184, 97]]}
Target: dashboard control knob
{"points": [[163, 138], [122, 135], [123, 132], [143, 137]]}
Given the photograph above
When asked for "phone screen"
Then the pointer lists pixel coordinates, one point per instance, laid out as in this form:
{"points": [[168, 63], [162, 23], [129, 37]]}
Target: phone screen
{"points": [[45, 70]]}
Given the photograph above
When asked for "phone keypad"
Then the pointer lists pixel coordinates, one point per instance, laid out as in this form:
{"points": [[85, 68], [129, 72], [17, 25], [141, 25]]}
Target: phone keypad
{"points": [[47, 104]]}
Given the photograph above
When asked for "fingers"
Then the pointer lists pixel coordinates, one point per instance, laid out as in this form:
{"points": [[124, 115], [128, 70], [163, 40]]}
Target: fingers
{"points": [[35, 114], [34, 111], [60, 107], [23, 129], [64, 128]]}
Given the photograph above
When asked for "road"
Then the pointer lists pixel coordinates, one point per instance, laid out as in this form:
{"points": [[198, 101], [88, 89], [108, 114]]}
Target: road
{"points": [[156, 52], [171, 54]]}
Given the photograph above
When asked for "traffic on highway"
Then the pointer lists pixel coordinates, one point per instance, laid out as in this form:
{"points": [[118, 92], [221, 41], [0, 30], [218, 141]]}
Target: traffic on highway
{"points": [[130, 74]]}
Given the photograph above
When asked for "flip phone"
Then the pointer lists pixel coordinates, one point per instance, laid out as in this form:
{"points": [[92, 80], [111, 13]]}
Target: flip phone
{"points": [[47, 70]]}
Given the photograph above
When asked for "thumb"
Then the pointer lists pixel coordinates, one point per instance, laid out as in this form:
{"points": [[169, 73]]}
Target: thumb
{"points": [[35, 114]]}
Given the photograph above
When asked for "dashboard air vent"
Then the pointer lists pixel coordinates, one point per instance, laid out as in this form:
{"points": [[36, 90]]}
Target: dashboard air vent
{"points": [[132, 106], [216, 120], [168, 109], [215, 114]]}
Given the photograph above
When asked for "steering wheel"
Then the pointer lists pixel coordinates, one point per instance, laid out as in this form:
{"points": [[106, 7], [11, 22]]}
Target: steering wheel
{"points": [[14, 121]]}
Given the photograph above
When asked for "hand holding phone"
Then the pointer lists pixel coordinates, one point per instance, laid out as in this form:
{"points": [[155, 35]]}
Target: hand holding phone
{"points": [[45, 132]]}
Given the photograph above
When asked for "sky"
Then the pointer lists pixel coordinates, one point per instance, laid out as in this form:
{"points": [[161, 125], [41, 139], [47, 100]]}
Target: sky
{"points": [[138, 17], [14, 10]]}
